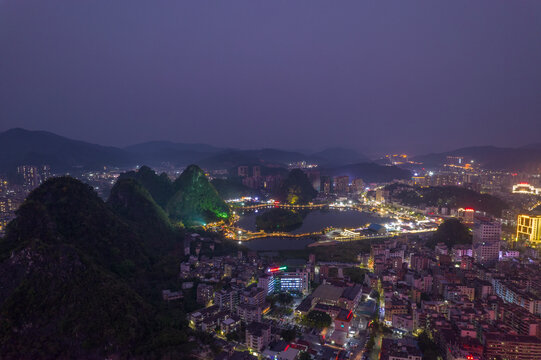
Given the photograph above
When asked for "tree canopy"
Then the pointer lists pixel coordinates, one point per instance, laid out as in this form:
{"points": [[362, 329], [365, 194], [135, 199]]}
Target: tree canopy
{"points": [[451, 232], [278, 220], [76, 276], [196, 200], [296, 188], [447, 196], [229, 189], [317, 319], [190, 199], [160, 187]]}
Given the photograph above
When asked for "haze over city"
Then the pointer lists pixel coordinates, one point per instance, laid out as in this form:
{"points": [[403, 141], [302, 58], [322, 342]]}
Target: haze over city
{"points": [[416, 77], [270, 180]]}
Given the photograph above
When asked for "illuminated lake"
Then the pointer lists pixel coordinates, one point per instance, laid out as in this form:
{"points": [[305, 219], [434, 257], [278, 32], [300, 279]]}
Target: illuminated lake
{"points": [[317, 220]]}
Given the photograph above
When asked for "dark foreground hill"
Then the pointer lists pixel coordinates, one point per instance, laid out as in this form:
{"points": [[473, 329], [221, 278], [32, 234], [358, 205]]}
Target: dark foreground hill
{"points": [[74, 276]]}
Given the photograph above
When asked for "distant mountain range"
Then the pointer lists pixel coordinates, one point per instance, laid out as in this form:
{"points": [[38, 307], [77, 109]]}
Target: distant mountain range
{"points": [[527, 158], [20, 146]]}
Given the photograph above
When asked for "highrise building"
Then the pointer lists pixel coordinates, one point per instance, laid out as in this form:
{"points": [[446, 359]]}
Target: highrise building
{"points": [[485, 229], [512, 347], [358, 184], [30, 175], [486, 240], [382, 195], [258, 336], [294, 281], [267, 283], [227, 300], [326, 185], [341, 184], [486, 253], [242, 171], [205, 293], [529, 229], [45, 172]]}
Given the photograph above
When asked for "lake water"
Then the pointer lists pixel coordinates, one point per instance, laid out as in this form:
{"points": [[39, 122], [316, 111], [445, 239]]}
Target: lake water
{"points": [[314, 221], [317, 220]]}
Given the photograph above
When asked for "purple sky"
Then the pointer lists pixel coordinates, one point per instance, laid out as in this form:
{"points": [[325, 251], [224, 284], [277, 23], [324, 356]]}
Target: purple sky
{"points": [[415, 76]]}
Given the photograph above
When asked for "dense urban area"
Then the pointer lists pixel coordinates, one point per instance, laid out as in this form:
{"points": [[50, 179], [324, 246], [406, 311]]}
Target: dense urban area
{"points": [[447, 268]]}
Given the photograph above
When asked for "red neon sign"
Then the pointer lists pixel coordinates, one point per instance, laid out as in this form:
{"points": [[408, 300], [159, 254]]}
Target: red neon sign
{"points": [[277, 269]]}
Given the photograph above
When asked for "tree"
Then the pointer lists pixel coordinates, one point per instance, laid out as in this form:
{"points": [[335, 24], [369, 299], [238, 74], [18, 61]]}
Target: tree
{"points": [[333, 272], [370, 344], [233, 336], [159, 186], [230, 189], [196, 201], [296, 188], [288, 335], [448, 196], [451, 232], [430, 349], [303, 355], [317, 319], [356, 274], [90, 278], [278, 220], [285, 298]]}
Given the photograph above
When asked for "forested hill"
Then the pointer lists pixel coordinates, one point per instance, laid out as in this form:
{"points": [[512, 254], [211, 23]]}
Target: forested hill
{"points": [[191, 199], [447, 196], [78, 278]]}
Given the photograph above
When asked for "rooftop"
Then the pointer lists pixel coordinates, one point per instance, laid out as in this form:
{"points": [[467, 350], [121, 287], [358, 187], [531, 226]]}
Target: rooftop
{"points": [[326, 292]]}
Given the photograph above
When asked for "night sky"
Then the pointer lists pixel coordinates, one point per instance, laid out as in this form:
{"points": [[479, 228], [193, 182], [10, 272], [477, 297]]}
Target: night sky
{"points": [[377, 76]]}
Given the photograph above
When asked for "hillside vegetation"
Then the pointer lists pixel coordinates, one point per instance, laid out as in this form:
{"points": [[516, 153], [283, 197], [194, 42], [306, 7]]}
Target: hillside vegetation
{"points": [[296, 189], [191, 199], [76, 275], [448, 196], [196, 201]]}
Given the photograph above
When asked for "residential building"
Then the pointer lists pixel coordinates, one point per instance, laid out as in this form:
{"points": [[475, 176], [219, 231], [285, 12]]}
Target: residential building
{"points": [[258, 335]]}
